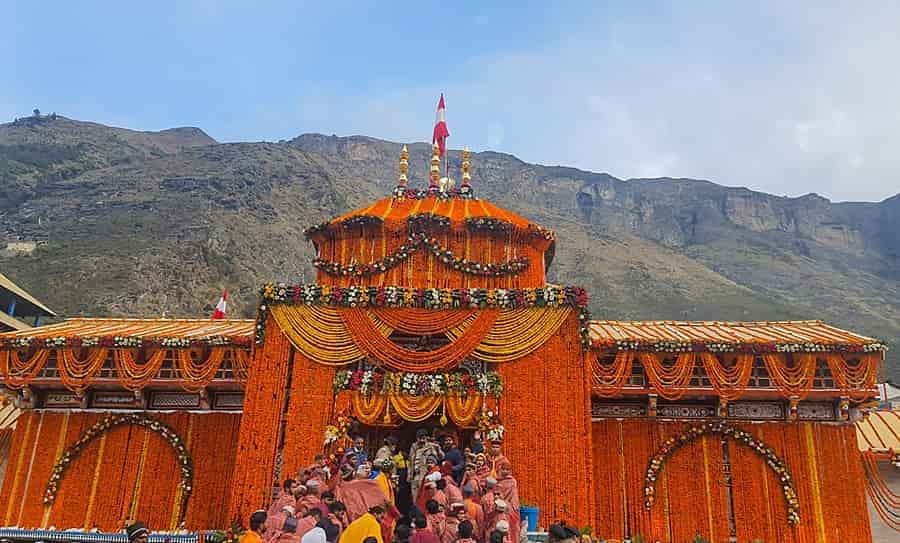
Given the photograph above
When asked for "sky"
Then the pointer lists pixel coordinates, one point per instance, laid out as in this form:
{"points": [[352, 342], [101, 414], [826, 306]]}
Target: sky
{"points": [[783, 97]]}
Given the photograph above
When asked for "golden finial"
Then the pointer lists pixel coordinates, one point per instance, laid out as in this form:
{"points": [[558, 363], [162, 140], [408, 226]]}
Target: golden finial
{"points": [[404, 166], [435, 165], [466, 176]]}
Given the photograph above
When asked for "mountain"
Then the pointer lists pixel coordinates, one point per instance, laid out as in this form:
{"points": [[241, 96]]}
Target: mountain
{"points": [[110, 221]]}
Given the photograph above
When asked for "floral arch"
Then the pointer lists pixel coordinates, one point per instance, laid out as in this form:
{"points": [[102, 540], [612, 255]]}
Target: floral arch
{"points": [[108, 423], [671, 445]]}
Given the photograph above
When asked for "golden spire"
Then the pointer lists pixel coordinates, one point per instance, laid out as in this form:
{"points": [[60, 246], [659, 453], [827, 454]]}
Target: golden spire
{"points": [[435, 165], [404, 166], [466, 176]]}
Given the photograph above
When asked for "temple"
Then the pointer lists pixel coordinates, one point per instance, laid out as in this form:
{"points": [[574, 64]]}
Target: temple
{"points": [[431, 309]]}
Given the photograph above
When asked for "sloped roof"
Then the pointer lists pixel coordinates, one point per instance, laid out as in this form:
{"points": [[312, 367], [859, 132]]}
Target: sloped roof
{"points": [[11, 322], [608, 333], [7, 284], [879, 432], [395, 212], [239, 331]]}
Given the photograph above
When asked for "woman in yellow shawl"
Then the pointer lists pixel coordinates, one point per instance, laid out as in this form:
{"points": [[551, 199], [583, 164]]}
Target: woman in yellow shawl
{"points": [[368, 525]]}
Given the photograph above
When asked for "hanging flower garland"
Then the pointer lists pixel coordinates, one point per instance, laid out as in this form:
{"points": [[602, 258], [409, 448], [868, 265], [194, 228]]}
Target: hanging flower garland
{"points": [[340, 427], [492, 224], [415, 242], [422, 221], [737, 347], [671, 445], [122, 342], [371, 380], [424, 298], [112, 421], [490, 426]]}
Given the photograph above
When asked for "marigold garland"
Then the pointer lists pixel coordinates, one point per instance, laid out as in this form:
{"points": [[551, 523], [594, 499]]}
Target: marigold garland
{"points": [[77, 373], [731, 381], [415, 242], [737, 347], [133, 375], [343, 336], [17, 373], [671, 445], [421, 322], [368, 339], [100, 429], [610, 379], [193, 376], [372, 380]]}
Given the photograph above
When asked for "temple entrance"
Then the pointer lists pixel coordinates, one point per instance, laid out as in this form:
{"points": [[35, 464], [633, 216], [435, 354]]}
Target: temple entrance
{"points": [[405, 434]]}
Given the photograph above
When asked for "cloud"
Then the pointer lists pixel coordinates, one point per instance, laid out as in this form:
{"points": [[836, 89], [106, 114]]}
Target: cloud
{"points": [[784, 98]]}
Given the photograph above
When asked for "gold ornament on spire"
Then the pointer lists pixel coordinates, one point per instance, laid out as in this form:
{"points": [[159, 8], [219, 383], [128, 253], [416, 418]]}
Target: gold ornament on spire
{"points": [[435, 166], [466, 176], [404, 167]]}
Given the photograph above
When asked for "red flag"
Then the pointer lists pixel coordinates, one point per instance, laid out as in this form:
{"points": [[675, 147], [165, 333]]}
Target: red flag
{"points": [[219, 313], [440, 127]]}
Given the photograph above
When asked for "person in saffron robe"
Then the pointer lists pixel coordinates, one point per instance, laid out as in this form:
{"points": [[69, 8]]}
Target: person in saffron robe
{"points": [[508, 490], [427, 491], [257, 528], [495, 456], [454, 494], [285, 497], [422, 533], [465, 532], [287, 533], [501, 514], [435, 517], [474, 510], [482, 472], [367, 525], [487, 504], [308, 522], [275, 522], [311, 499], [300, 492], [451, 523], [360, 495], [382, 475]]}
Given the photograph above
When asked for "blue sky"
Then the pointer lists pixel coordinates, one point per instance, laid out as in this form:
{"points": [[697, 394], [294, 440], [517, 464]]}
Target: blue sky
{"points": [[784, 97]]}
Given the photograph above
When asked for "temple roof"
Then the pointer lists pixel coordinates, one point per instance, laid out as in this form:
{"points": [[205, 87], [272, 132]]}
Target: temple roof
{"points": [[231, 331], [815, 332], [460, 213], [879, 432]]}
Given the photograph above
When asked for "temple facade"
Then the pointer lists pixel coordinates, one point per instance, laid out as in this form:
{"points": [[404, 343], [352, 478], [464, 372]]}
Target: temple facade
{"points": [[431, 308]]}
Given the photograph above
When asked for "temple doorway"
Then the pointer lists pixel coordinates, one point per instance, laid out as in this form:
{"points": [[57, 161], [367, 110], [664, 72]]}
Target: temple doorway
{"points": [[405, 434]]}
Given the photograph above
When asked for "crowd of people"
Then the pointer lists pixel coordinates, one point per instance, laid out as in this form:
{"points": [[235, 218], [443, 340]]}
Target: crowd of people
{"points": [[438, 493]]}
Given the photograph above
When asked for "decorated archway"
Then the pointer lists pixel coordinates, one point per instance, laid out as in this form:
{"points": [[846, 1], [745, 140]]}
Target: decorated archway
{"points": [[671, 445], [105, 425]]}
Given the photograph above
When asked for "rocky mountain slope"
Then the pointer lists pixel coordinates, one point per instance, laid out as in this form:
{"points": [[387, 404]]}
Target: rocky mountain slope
{"points": [[157, 223]]}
